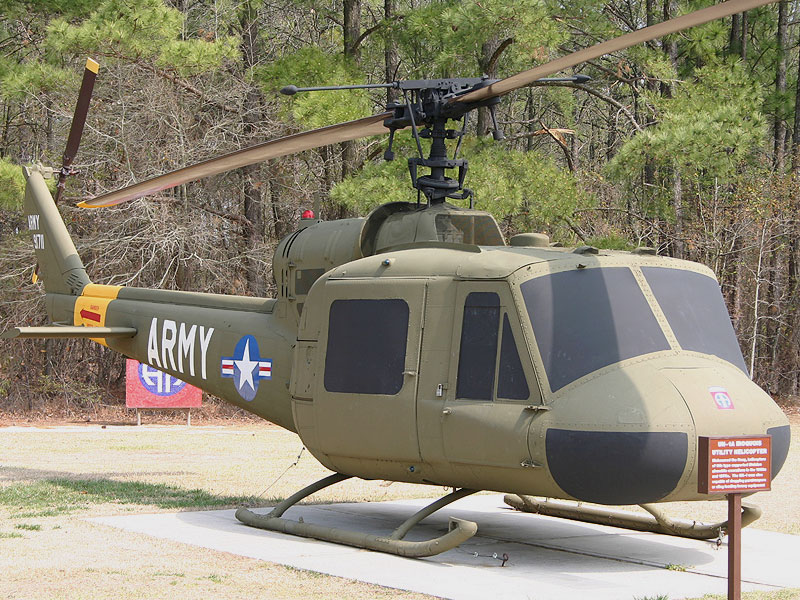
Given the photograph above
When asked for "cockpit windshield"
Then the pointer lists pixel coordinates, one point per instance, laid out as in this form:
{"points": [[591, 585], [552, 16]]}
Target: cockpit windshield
{"points": [[586, 319], [696, 312]]}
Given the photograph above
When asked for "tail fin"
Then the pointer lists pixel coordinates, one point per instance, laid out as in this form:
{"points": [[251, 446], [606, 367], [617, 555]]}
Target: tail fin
{"points": [[60, 267]]}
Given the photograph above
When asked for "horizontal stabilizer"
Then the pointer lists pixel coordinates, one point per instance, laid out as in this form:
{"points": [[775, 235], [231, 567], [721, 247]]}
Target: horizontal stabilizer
{"points": [[58, 331]]}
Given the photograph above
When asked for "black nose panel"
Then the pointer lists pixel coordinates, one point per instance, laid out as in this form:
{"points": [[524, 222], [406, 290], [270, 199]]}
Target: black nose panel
{"points": [[616, 467], [781, 436]]}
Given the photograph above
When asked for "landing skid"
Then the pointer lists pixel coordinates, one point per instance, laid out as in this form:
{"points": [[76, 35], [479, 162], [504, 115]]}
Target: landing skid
{"points": [[657, 523], [459, 529]]}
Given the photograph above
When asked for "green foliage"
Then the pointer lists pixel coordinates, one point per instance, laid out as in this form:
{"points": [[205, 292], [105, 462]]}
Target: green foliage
{"points": [[136, 30], [311, 67], [703, 45], [20, 79], [612, 241], [710, 127], [455, 47], [522, 186], [12, 185], [15, 9]]}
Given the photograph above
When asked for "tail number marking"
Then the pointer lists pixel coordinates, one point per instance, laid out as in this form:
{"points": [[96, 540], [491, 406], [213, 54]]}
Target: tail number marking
{"points": [[33, 222], [38, 241]]}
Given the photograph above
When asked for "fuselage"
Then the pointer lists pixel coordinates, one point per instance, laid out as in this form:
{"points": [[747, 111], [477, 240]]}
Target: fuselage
{"points": [[411, 346], [527, 370]]}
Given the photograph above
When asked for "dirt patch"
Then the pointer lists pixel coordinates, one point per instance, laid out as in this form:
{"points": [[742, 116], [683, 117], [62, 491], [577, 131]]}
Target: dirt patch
{"points": [[52, 479]]}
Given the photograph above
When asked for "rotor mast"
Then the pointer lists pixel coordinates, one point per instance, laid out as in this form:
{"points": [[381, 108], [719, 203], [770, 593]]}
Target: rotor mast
{"points": [[427, 106]]}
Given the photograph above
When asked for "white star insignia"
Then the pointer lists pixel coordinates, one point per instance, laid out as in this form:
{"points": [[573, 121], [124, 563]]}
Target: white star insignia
{"points": [[246, 365]]}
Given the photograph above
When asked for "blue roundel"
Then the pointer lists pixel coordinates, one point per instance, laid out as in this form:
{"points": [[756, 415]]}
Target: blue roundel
{"points": [[246, 367], [159, 383]]}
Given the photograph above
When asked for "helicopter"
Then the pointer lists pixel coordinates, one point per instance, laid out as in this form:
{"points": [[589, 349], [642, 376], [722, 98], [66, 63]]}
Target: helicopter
{"points": [[416, 345]]}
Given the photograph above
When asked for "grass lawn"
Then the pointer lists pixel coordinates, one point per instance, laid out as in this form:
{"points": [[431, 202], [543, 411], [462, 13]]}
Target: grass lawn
{"points": [[52, 480]]}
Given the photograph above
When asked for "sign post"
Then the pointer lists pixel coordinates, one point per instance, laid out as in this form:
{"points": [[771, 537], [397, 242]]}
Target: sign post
{"points": [[734, 546], [734, 466]]}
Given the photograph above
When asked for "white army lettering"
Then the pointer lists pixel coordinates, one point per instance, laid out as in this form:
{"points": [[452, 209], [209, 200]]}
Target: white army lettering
{"points": [[176, 343]]}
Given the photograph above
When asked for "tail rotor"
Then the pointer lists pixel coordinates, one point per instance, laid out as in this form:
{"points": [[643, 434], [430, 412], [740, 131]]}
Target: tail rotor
{"points": [[75, 134], [78, 122]]}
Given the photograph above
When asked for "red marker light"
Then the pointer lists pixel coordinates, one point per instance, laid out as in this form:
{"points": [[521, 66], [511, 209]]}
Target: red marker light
{"points": [[308, 214]]}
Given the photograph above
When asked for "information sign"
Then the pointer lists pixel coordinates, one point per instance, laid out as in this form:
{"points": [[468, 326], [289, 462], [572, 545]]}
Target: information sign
{"points": [[734, 465], [147, 387]]}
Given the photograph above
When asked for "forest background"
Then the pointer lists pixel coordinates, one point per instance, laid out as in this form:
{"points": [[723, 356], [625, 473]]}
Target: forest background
{"points": [[689, 144]]}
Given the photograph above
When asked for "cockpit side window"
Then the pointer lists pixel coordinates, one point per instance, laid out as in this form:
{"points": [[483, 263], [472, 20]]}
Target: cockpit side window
{"points": [[511, 382], [481, 338], [479, 333], [696, 312], [586, 319]]}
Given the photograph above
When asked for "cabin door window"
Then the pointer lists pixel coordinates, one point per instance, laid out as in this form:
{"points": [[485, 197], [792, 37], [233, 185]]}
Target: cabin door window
{"points": [[365, 400]]}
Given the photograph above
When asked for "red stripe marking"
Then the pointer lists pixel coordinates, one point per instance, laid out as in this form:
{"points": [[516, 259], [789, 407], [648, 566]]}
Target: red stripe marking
{"points": [[92, 316]]}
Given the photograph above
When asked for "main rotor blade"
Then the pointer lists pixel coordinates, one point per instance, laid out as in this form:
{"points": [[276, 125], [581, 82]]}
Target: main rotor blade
{"points": [[78, 121], [698, 17], [307, 140]]}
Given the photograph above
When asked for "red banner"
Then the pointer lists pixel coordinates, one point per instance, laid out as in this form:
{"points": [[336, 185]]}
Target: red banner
{"points": [[147, 387]]}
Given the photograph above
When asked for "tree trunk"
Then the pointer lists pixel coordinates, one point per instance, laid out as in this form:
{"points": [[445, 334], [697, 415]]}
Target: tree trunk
{"points": [[281, 214], [488, 48], [487, 63], [735, 37], [650, 7], [780, 88], [351, 26], [677, 203], [352, 29], [743, 42], [796, 134], [671, 50], [390, 53], [251, 184]]}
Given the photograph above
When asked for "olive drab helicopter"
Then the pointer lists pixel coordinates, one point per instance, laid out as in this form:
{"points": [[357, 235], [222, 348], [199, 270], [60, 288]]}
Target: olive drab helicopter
{"points": [[415, 345]]}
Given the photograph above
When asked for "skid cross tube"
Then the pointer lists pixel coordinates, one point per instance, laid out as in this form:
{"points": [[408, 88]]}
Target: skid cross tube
{"points": [[458, 532], [658, 523]]}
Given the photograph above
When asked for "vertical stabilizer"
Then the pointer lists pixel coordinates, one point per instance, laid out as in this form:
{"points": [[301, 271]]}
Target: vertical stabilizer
{"points": [[60, 267]]}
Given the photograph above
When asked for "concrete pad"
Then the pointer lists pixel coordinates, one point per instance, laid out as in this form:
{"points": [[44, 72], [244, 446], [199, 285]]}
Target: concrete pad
{"points": [[548, 557]]}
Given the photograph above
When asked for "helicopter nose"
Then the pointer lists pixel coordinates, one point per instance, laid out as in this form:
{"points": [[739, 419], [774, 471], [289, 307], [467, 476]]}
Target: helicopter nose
{"points": [[723, 401], [623, 437], [630, 436]]}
